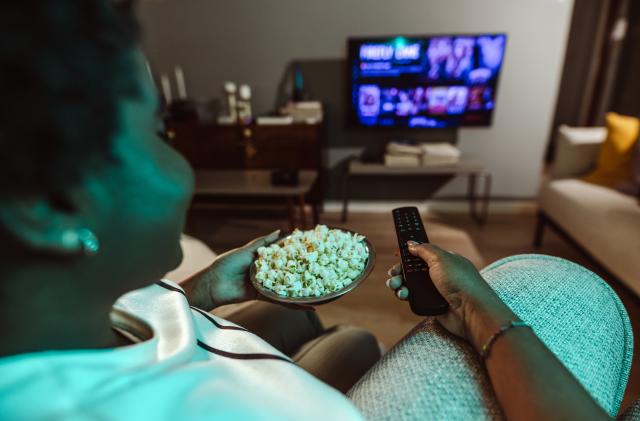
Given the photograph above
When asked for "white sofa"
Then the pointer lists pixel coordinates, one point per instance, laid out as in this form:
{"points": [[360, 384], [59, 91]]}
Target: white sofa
{"points": [[196, 256], [603, 222]]}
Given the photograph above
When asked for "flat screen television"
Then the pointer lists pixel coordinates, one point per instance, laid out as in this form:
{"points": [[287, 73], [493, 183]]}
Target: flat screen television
{"points": [[424, 81]]}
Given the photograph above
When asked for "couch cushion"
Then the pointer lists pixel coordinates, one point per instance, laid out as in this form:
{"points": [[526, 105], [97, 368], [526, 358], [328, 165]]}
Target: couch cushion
{"points": [[603, 221], [613, 167], [196, 256]]}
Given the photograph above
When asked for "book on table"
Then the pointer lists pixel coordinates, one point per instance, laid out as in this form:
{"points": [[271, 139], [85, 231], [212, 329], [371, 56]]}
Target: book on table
{"points": [[413, 154], [439, 154], [401, 160]]}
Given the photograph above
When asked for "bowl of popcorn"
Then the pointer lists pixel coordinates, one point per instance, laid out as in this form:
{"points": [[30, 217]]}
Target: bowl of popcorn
{"points": [[313, 267]]}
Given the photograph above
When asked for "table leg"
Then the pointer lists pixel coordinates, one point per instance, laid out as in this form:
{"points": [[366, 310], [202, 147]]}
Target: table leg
{"points": [[303, 213], [345, 196], [316, 214], [539, 233], [292, 215], [479, 215], [191, 221], [486, 197]]}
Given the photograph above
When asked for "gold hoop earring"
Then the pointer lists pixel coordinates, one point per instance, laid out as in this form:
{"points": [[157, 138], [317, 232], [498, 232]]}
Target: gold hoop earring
{"points": [[89, 241]]}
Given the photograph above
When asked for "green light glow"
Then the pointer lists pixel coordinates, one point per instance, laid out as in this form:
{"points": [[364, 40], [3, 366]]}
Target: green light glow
{"points": [[400, 42]]}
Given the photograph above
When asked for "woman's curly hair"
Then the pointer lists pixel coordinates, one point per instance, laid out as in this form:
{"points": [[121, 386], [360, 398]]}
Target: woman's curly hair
{"points": [[64, 66]]}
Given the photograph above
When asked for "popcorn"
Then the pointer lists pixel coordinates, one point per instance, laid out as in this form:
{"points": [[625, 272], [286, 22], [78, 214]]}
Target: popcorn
{"points": [[312, 263]]}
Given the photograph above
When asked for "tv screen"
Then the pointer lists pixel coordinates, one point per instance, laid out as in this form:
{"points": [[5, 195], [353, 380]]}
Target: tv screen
{"points": [[424, 82]]}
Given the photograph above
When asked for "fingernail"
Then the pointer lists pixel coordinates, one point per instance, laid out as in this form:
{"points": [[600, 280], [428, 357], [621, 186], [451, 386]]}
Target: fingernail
{"points": [[411, 243]]}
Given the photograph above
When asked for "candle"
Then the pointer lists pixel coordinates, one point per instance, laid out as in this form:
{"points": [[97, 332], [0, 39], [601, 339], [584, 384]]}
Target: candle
{"points": [[245, 92], [166, 88], [182, 87], [230, 90]]}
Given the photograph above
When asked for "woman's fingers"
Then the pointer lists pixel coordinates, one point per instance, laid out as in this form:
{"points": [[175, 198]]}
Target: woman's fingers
{"points": [[402, 293], [394, 282], [430, 253], [264, 241], [395, 270]]}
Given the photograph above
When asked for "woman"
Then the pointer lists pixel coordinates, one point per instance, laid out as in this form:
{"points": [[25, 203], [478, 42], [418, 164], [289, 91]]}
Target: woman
{"points": [[93, 204]]}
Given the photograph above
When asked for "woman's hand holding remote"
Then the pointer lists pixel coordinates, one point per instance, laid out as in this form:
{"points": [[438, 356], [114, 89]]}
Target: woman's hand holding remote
{"points": [[528, 380], [475, 310]]}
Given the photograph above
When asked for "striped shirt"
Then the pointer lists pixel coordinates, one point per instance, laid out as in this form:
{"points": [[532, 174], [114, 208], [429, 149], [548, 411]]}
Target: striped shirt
{"points": [[185, 364]]}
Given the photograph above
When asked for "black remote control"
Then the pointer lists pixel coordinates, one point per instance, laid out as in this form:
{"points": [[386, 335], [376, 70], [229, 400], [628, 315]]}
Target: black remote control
{"points": [[424, 298]]}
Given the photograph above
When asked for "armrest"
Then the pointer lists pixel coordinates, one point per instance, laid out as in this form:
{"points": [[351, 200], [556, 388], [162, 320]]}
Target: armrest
{"points": [[196, 256], [576, 150]]}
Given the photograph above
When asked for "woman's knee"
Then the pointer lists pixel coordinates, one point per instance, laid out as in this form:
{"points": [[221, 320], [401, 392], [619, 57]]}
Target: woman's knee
{"points": [[341, 356]]}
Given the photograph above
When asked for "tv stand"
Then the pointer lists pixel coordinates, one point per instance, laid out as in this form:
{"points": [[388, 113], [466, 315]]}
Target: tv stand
{"points": [[470, 168]]}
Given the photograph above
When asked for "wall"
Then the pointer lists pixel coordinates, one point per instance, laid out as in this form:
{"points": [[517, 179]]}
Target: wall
{"points": [[254, 41]]}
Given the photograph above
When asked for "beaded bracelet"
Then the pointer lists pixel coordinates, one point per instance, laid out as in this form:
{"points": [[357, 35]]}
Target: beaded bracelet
{"points": [[484, 352]]}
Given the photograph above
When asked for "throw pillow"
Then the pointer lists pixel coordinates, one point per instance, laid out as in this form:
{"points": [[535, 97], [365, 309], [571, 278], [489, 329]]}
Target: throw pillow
{"points": [[632, 187], [636, 170], [613, 166]]}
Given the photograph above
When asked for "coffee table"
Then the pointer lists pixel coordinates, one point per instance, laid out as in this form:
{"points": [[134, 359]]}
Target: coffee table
{"points": [[256, 185]]}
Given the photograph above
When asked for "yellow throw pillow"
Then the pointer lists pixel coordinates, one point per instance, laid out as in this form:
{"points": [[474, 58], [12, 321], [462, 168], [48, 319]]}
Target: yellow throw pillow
{"points": [[613, 166]]}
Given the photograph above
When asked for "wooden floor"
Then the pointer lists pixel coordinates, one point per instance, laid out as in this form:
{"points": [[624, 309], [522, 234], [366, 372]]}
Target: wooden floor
{"points": [[372, 306]]}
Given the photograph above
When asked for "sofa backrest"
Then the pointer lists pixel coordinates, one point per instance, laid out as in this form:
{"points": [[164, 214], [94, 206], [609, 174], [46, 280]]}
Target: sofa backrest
{"points": [[576, 150]]}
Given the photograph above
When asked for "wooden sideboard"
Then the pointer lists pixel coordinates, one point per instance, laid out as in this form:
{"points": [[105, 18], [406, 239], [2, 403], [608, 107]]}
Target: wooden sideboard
{"points": [[209, 146]]}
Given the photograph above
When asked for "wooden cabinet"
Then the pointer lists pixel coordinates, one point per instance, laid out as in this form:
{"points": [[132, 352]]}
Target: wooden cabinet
{"points": [[295, 147], [216, 147], [208, 146]]}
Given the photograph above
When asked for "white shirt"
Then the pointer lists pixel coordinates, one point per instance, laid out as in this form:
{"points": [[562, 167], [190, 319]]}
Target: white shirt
{"points": [[193, 366]]}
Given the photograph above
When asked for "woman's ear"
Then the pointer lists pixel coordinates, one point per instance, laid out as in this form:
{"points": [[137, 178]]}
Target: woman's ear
{"points": [[43, 224]]}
